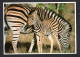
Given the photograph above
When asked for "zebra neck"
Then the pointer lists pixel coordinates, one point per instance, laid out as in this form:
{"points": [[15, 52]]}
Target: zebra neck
{"points": [[38, 26]]}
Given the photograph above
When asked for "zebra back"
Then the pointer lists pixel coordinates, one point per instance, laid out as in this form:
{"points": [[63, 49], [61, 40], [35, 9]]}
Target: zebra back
{"points": [[14, 10], [50, 14]]}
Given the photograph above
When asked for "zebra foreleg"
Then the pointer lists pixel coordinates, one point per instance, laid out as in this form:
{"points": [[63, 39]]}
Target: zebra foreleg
{"points": [[38, 43], [51, 40], [31, 46], [32, 43], [41, 44]]}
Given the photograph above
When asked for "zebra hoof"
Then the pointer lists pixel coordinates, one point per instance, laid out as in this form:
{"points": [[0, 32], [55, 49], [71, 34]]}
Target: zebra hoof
{"points": [[50, 51], [29, 51], [16, 52], [61, 51]]}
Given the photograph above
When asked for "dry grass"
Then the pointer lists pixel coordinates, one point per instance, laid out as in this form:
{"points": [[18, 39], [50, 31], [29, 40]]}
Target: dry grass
{"points": [[25, 40]]}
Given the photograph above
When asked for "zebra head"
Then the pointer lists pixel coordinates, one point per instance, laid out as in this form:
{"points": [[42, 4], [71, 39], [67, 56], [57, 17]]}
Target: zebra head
{"points": [[33, 18]]}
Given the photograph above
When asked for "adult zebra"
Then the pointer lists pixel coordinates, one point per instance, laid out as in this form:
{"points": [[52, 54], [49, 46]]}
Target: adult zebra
{"points": [[16, 19]]}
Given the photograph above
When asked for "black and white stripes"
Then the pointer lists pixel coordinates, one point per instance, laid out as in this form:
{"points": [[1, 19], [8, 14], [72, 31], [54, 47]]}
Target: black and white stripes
{"points": [[52, 23], [16, 18]]}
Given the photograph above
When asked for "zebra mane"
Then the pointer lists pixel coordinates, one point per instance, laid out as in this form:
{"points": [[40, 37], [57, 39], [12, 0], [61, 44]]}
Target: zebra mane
{"points": [[39, 9]]}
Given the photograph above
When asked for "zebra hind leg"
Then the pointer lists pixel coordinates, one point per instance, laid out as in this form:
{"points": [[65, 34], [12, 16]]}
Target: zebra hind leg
{"points": [[57, 40], [14, 42], [16, 34]]}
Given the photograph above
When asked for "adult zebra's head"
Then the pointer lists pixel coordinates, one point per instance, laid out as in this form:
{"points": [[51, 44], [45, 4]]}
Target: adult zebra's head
{"points": [[33, 18]]}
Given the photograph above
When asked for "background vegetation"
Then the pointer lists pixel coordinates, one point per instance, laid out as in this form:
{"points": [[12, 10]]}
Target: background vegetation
{"points": [[66, 10]]}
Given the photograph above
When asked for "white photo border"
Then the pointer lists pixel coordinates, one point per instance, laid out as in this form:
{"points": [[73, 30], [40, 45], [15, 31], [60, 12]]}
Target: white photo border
{"points": [[36, 53]]}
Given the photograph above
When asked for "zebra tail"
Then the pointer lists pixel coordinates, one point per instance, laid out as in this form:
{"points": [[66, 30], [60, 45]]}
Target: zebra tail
{"points": [[5, 11]]}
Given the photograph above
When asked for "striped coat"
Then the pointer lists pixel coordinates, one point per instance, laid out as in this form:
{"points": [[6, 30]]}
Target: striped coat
{"points": [[57, 26]]}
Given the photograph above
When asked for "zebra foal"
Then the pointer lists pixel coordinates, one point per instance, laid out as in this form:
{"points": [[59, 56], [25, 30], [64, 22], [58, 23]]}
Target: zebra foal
{"points": [[41, 28], [48, 27]]}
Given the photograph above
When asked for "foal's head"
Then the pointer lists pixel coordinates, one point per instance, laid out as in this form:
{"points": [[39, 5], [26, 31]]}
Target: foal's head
{"points": [[33, 18]]}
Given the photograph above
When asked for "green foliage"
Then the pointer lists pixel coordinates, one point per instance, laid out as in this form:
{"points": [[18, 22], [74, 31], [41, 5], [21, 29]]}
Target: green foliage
{"points": [[51, 7], [62, 6], [40, 5]]}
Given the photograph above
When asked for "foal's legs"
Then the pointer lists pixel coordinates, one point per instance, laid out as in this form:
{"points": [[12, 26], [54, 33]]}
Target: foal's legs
{"points": [[51, 40], [58, 42], [32, 43], [38, 43]]}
